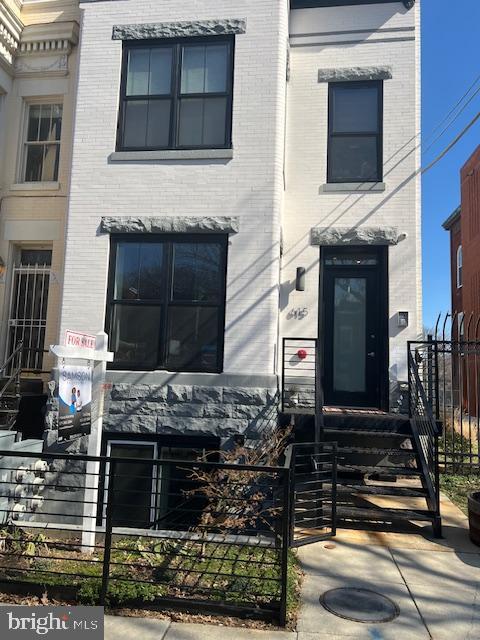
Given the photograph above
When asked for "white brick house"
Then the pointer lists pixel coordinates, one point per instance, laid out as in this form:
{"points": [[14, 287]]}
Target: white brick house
{"points": [[186, 227]]}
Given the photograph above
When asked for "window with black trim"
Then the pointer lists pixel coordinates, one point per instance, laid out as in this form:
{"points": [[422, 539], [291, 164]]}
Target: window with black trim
{"points": [[355, 132], [166, 302], [176, 94]]}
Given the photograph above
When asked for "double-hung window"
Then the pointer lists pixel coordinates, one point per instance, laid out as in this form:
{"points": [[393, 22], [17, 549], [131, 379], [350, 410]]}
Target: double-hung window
{"points": [[176, 94], [166, 302], [459, 267], [355, 132], [41, 148]]}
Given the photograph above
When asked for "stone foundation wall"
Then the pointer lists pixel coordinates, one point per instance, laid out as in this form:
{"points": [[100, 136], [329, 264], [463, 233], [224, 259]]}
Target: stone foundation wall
{"points": [[191, 410]]}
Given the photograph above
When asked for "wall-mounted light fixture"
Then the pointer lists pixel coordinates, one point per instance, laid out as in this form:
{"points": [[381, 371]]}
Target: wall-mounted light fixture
{"points": [[300, 279], [402, 319]]}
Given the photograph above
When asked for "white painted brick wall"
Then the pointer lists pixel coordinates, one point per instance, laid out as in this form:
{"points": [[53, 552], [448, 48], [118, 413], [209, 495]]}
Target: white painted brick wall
{"points": [[249, 186], [306, 154]]}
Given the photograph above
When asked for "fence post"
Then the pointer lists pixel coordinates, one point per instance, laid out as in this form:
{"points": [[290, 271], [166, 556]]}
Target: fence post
{"points": [[430, 369], [107, 545], [334, 488], [286, 517], [409, 375], [437, 381]]}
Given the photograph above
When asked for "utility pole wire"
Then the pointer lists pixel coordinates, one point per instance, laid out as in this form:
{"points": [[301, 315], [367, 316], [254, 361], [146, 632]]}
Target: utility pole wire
{"points": [[423, 170], [453, 120], [452, 110]]}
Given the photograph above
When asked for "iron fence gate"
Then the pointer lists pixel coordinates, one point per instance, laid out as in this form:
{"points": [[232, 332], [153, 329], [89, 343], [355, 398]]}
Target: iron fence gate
{"points": [[313, 492], [448, 362]]}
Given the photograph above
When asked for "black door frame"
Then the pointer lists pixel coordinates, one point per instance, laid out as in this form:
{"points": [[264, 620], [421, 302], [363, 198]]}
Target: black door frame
{"points": [[383, 341]]}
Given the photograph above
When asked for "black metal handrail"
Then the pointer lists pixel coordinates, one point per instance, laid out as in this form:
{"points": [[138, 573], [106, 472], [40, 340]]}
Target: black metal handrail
{"points": [[425, 430], [11, 370]]}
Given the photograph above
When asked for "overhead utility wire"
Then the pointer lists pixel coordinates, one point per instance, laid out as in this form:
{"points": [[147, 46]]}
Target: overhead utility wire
{"points": [[452, 121], [423, 170], [453, 109]]}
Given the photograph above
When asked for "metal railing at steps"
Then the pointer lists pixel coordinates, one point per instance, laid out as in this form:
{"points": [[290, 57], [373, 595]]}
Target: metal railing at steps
{"points": [[302, 391], [10, 376], [426, 433]]}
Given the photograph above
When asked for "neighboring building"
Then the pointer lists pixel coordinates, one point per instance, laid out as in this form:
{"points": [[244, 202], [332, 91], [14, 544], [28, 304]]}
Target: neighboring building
{"points": [[218, 146], [37, 86], [464, 228]]}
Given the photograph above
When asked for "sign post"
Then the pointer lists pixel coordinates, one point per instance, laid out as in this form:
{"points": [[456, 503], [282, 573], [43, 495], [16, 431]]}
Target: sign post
{"points": [[99, 355]]}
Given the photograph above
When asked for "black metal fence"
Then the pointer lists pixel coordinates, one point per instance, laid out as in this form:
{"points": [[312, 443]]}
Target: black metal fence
{"points": [[313, 492], [449, 365], [426, 433], [146, 532]]}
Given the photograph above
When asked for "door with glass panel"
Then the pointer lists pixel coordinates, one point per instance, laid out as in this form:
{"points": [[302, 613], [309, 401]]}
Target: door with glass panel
{"points": [[28, 306], [354, 329]]}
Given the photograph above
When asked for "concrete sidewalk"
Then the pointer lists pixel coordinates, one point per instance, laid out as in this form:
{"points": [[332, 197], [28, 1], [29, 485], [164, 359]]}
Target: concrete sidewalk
{"points": [[435, 583]]}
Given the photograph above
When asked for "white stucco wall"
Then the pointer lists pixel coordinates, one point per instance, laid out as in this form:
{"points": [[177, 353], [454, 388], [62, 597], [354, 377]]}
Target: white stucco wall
{"points": [[391, 38], [249, 186], [34, 214]]}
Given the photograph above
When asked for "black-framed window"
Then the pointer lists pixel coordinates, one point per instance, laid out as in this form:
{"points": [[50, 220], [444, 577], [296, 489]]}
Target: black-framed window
{"points": [[176, 94], [166, 302], [355, 132]]}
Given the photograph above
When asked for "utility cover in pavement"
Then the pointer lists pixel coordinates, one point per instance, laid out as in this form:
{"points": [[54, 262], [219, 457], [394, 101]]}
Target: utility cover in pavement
{"points": [[359, 605]]}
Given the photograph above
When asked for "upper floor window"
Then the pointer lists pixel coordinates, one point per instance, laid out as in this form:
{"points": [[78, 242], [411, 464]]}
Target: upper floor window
{"points": [[166, 302], [459, 267], [355, 132], [176, 95], [41, 152]]}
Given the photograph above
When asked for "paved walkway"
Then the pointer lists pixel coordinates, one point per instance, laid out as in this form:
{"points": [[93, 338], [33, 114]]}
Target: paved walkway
{"points": [[436, 585]]}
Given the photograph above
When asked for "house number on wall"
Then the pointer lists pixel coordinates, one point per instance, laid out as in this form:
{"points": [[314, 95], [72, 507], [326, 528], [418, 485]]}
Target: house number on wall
{"points": [[297, 313]]}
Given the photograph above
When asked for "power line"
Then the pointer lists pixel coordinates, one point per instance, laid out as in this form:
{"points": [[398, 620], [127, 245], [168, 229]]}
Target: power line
{"points": [[453, 109], [423, 170], [452, 121]]}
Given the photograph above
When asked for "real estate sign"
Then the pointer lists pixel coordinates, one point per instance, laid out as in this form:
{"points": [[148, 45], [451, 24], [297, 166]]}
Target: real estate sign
{"points": [[77, 339], [75, 399]]}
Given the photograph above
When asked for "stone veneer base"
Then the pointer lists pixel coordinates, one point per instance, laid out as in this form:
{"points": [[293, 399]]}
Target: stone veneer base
{"points": [[194, 410]]}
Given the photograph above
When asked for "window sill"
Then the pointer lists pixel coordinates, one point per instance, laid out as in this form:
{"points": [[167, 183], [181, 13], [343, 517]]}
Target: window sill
{"points": [[171, 154], [35, 186], [353, 187]]}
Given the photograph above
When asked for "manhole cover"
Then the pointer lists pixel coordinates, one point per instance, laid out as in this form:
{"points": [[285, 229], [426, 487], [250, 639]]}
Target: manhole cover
{"points": [[359, 605]]}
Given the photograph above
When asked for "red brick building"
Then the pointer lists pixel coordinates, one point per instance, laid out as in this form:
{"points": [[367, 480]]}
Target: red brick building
{"points": [[464, 228]]}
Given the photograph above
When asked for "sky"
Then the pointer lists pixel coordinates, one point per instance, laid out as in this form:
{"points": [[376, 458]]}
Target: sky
{"points": [[450, 64]]}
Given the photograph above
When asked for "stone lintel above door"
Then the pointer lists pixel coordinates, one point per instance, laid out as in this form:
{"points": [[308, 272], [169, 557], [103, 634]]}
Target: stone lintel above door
{"points": [[328, 236]]}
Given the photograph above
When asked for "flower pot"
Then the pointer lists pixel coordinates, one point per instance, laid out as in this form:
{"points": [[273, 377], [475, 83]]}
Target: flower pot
{"points": [[474, 516]]}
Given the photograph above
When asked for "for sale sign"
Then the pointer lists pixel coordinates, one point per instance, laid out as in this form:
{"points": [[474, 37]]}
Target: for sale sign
{"points": [[77, 339]]}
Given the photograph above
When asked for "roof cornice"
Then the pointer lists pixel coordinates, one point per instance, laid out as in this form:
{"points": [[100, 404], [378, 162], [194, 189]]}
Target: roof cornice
{"points": [[452, 218]]}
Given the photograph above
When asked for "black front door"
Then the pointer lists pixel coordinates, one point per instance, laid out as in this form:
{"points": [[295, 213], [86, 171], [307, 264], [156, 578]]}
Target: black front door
{"points": [[354, 327]]}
